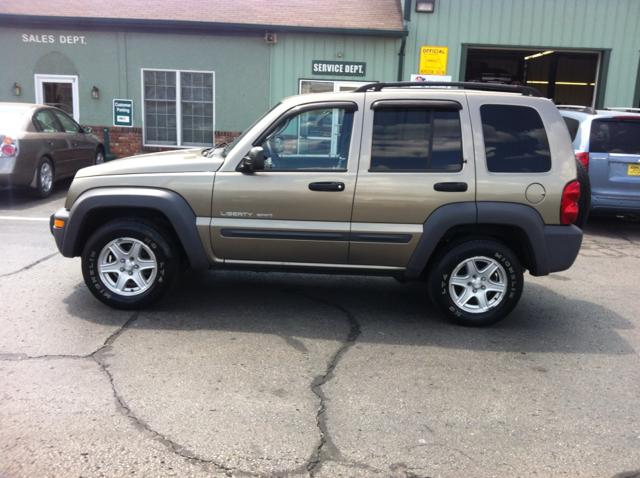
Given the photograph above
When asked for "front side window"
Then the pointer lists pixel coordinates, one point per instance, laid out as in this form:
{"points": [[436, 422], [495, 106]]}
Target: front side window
{"points": [[178, 108], [515, 140], [416, 139], [316, 139], [68, 124]]}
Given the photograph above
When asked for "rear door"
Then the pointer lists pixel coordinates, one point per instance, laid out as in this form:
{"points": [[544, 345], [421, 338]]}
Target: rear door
{"points": [[614, 157], [417, 155], [298, 209]]}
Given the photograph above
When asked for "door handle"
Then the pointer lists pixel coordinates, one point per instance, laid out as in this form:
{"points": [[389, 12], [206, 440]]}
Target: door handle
{"points": [[450, 187], [327, 186]]}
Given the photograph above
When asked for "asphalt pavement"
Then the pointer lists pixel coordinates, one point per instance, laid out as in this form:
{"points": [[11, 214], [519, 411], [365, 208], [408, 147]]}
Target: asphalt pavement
{"points": [[246, 374]]}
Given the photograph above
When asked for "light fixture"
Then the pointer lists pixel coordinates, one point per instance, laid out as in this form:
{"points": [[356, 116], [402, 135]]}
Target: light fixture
{"points": [[16, 89], [340, 54], [95, 93], [425, 6], [538, 55]]}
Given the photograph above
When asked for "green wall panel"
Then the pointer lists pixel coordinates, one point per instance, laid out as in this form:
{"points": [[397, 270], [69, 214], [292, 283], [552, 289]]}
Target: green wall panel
{"points": [[550, 24], [112, 61], [293, 54]]}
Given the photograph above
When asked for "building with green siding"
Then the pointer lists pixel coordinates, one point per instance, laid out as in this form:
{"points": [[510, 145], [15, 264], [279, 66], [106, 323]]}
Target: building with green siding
{"points": [[200, 72]]}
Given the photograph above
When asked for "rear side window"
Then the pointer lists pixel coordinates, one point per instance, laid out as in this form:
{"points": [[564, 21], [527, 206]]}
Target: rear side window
{"points": [[416, 139], [515, 140], [614, 135], [572, 125]]}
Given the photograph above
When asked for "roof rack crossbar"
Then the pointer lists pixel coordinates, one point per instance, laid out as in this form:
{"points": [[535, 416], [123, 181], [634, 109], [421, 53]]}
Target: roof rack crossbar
{"points": [[622, 108], [524, 90]]}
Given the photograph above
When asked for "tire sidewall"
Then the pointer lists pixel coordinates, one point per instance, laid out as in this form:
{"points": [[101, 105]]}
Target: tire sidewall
{"points": [[99, 158], [166, 272], [441, 277], [40, 191]]}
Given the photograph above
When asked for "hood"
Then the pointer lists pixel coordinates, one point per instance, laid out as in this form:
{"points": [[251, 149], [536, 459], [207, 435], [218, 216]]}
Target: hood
{"points": [[180, 161]]}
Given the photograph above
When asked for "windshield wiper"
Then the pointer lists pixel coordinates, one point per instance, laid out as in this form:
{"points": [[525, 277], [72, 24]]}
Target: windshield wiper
{"points": [[209, 151]]}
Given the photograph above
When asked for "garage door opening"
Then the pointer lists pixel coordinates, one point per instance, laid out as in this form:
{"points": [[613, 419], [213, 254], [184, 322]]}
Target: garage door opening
{"points": [[567, 77]]}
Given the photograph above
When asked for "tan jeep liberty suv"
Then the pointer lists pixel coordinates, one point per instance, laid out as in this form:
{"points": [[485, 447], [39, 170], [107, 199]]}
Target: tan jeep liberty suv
{"points": [[462, 185]]}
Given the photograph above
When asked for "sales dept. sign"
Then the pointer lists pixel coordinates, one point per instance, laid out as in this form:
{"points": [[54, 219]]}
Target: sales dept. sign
{"points": [[433, 60], [339, 68], [122, 113]]}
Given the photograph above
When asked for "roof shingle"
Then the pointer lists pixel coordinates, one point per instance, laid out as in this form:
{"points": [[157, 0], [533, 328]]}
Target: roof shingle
{"points": [[341, 14]]}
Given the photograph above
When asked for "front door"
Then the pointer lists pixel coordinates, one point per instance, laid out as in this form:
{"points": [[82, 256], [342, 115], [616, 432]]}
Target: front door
{"points": [[60, 91], [298, 209]]}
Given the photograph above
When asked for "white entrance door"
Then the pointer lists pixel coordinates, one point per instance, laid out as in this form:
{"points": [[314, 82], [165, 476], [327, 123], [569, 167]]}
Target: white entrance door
{"points": [[60, 91]]}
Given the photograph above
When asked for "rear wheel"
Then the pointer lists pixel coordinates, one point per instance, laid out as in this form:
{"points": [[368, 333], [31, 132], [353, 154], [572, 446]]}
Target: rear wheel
{"points": [[476, 283], [44, 178], [129, 265]]}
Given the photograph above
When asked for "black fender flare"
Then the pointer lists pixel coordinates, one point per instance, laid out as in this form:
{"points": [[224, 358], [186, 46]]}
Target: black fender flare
{"points": [[167, 202], [521, 216]]}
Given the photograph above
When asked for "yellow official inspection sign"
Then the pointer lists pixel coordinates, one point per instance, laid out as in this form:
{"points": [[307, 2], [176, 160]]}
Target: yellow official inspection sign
{"points": [[433, 60]]}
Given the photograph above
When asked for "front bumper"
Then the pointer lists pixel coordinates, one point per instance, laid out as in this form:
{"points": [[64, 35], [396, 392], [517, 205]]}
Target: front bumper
{"points": [[61, 215]]}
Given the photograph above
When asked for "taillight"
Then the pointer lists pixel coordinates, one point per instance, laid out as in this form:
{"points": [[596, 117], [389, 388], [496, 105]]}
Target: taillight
{"points": [[584, 159], [9, 147], [569, 206]]}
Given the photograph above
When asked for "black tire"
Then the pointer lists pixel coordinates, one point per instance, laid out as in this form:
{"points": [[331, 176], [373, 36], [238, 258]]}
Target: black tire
{"points": [[128, 264], [44, 179], [584, 203], [453, 276], [100, 157]]}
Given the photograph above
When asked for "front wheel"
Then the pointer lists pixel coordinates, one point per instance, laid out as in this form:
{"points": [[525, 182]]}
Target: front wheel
{"points": [[99, 159], [476, 283], [128, 264]]}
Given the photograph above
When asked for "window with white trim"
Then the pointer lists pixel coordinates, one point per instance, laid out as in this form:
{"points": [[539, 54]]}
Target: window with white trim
{"points": [[178, 107]]}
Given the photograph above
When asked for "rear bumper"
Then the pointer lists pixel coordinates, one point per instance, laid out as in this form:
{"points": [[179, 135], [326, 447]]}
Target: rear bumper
{"points": [[563, 246], [604, 205]]}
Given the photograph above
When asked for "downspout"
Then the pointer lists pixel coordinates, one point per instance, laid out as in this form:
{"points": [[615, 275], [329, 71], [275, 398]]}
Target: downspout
{"points": [[405, 33]]}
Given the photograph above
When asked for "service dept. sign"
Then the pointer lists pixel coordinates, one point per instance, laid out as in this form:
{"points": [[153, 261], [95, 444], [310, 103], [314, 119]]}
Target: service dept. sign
{"points": [[123, 113], [339, 68]]}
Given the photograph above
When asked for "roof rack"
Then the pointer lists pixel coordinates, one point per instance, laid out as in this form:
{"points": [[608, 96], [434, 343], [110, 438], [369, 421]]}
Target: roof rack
{"points": [[622, 108], [524, 90], [578, 108]]}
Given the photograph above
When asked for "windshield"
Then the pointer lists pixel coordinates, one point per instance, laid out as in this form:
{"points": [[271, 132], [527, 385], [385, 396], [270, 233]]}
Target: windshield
{"points": [[233, 144], [11, 119]]}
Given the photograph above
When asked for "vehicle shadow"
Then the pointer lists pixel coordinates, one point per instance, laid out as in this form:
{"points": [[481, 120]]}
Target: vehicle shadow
{"points": [[609, 227], [385, 311], [23, 199]]}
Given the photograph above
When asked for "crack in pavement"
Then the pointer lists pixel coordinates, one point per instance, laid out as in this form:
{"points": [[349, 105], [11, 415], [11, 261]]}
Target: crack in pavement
{"points": [[46, 258], [99, 356], [326, 449]]}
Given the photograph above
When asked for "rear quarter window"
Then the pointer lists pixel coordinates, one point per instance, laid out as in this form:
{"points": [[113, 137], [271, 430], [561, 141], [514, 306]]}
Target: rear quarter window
{"points": [[572, 125], [515, 139], [614, 135]]}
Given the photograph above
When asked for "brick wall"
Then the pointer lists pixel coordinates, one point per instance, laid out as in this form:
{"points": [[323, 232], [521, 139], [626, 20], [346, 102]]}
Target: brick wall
{"points": [[128, 141]]}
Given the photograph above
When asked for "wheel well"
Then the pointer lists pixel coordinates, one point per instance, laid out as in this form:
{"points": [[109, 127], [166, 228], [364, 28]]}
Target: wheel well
{"points": [[100, 216], [511, 236]]}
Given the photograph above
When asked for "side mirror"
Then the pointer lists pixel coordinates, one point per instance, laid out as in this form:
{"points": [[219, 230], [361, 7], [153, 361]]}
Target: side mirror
{"points": [[254, 161], [86, 129]]}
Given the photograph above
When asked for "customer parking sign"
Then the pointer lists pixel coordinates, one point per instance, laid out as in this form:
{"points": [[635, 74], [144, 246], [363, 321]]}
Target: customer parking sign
{"points": [[123, 113]]}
